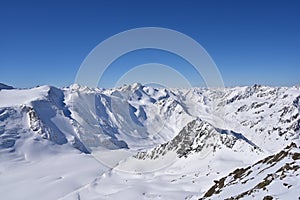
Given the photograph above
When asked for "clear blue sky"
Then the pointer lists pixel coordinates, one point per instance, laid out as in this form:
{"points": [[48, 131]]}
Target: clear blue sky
{"points": [[44, 42]]}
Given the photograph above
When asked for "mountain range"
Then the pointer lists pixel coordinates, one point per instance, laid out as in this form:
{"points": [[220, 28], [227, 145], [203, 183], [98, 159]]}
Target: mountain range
{"points": [[142, 142]]}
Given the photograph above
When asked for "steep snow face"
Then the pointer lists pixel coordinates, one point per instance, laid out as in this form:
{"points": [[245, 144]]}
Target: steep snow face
{"points": [[275, 177], [135, 117]]}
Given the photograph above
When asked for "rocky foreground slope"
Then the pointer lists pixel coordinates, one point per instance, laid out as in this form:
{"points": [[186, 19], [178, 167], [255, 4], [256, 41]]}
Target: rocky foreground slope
{"points": [[275, 177]]}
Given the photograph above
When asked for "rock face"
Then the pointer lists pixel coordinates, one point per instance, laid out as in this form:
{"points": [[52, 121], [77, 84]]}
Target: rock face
{"points": [[276, 176], [196, 137]]}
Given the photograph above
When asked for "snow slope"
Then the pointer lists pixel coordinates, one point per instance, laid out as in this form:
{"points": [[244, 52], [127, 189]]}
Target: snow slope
{"points": [[138, 141]]}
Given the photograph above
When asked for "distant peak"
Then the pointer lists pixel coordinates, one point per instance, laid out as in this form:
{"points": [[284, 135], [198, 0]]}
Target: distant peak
{"points": [[5, 87], [133, 86], [136, 85], [257, 85]]}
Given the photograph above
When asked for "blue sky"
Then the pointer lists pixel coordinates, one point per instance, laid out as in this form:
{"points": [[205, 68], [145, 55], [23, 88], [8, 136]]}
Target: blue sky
{"points": [[45, 42]]}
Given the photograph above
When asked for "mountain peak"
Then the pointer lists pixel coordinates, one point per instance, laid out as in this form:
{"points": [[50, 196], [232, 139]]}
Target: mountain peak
{"points": [[5, 87]]}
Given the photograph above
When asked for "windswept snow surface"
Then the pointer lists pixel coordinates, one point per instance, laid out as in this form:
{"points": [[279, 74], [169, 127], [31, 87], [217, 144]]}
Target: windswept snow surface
{"points": [[137, 142]]}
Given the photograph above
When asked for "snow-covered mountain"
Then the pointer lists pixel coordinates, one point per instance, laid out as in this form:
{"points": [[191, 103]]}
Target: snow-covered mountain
{"points": [[196, 137], [141, 137]]}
